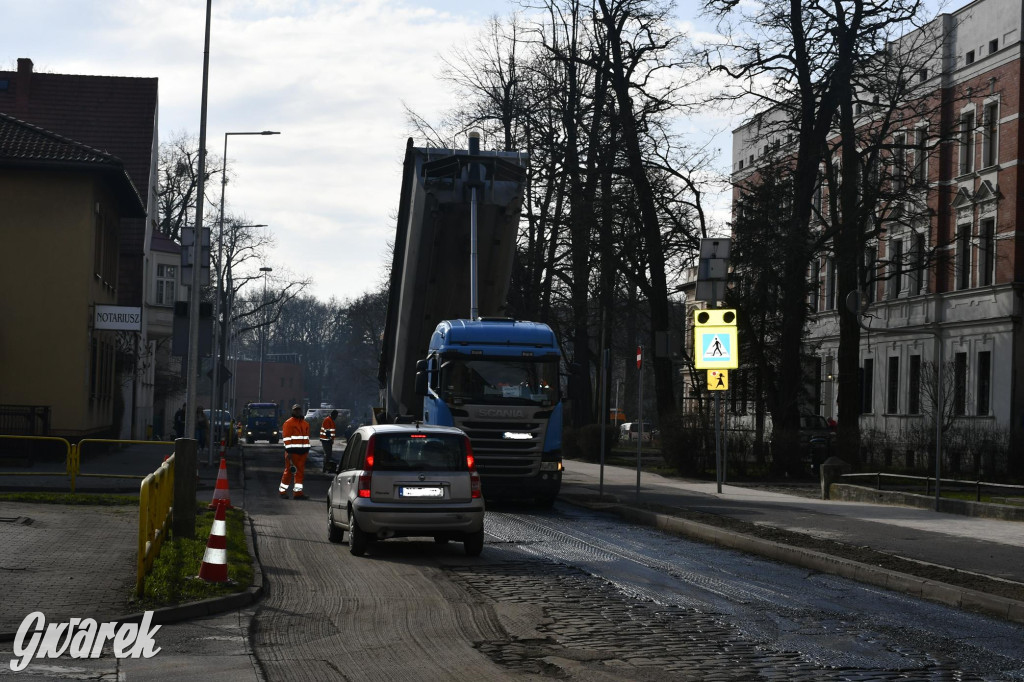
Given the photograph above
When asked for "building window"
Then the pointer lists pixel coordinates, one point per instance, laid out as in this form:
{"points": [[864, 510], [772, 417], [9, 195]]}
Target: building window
{"points": [[816, 198], [990, 135], [914, 385], [868, 274], [867, 385], [895, 284], [987, 255], [830, 284], [892, 405], [814, 276], [166, 284], [960, 384], [915, 263], [993, 45], [899, 162], [969, 57], [984, 382], [963, 257], [741, 164], [922, 74], [967, 143], [921, 156]]}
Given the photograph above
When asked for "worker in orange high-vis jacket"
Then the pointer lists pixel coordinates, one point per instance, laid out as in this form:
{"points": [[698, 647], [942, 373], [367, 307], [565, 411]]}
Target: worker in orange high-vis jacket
{"points": [[328, 431], [296, 448]]}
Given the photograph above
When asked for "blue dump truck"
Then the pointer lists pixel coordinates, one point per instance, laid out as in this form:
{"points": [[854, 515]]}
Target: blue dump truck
{"points": [[262, 421], [450, 355]]}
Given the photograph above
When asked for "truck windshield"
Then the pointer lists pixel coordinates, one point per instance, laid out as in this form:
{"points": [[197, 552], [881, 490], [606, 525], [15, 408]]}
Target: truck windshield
{"points": [[262, 412], [499, 380]]}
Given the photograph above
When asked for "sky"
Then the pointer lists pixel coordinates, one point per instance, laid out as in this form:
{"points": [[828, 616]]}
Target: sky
{"points": [[333, 76]]}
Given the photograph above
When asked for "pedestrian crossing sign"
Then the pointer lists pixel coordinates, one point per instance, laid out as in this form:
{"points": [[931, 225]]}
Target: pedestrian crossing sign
{"points": [[714, 339]]}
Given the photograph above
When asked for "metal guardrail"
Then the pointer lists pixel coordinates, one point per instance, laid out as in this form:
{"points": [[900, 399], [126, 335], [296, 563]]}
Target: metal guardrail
{"points": [[77, 457], [156, 500], [928, 480], [73, 457], [69, 456]]}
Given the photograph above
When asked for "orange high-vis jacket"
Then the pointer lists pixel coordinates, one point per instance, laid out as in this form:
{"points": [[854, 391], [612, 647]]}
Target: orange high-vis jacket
{"points": [[327, 429], [296, 436]]}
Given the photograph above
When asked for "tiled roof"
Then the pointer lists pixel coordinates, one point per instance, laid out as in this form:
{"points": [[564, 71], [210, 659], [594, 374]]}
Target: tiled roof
{"points": [[25, 142], [25, 145], [112, 113]]}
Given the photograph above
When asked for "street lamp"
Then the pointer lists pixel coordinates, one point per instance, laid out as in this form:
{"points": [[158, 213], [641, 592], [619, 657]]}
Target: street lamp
{"points": [[263, 335], [217, 394]]}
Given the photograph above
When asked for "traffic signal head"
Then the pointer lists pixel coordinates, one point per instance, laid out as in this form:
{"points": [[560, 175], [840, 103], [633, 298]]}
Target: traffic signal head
{"points": [[715, 317]]}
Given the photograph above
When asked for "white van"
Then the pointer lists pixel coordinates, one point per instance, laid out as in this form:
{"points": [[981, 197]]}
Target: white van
{"points": [[629, 430]]}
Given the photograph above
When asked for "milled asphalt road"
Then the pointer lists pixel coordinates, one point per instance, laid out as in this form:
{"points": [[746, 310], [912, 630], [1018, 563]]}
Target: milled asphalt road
{"points": [[37, 574]]}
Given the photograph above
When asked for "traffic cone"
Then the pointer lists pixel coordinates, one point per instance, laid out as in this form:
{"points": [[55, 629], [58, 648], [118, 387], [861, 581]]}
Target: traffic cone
{"points": [[214, 568], [223, 450], [220, 491]]}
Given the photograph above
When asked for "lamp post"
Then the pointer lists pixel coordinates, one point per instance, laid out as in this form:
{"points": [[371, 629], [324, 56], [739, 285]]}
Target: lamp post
{"points": [[216, 394], [263, 334]]}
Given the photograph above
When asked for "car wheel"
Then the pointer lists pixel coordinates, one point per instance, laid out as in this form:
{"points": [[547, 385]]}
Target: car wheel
{"points": [[250, 441], [440, 540], [473, 543], [358, 539], [334, 533], [273, 441]]}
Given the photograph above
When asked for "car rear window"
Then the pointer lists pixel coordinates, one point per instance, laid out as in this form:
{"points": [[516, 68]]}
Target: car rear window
{"points": [[422, 452]]}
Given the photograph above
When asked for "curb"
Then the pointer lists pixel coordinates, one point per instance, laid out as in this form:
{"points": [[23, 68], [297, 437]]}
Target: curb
{"points": [[943, 593]]}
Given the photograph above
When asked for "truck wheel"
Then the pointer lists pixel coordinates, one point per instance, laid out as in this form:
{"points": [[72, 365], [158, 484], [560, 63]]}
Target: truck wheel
{"points": [[357, 537], [473, 543]]}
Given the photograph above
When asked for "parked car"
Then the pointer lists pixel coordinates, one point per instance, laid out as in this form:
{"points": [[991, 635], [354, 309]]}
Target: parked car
{"points": [[406, 480], [222, 427], [630, 431]]}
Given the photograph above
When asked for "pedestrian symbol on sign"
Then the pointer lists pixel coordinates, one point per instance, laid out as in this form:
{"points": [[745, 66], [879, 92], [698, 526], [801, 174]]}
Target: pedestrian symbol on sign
{"points": [[716, 348]]}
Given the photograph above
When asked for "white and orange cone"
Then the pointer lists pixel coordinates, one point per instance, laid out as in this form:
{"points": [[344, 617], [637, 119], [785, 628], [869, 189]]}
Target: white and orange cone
{"points": [[214, 568], [220, 491]]}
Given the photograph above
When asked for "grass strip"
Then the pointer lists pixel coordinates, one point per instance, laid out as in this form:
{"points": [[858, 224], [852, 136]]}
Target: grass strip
{"points": [[173, 578]]}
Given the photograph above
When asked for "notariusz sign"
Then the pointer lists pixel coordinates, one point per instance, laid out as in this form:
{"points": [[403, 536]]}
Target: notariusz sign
{"points": [[118, 317]]}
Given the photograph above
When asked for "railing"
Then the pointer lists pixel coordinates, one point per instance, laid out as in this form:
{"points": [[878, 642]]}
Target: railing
{"points": [[928, 480], [69, 456], [72, 467], [76, 456], [156, 498], [25, 420]]}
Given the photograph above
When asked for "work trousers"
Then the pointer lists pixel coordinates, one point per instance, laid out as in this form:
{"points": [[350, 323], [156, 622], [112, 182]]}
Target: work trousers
{"points": [[299, 462]]}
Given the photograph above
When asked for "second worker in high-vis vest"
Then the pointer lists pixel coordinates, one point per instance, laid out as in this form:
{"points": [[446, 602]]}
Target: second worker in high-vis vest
{"points": [[328, 432], [296, 448]]}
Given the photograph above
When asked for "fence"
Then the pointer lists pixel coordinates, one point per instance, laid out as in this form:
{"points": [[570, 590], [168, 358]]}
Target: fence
{"points": [[28, 449], [156, 498], [25, 420], [928, 480]]}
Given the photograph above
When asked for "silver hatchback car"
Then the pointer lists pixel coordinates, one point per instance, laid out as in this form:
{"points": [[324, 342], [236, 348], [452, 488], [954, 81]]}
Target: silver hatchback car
{"points": [[406, 480]]}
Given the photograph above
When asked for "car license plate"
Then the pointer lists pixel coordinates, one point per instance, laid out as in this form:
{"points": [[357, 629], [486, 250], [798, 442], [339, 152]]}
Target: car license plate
{"points": [[420, 491]]}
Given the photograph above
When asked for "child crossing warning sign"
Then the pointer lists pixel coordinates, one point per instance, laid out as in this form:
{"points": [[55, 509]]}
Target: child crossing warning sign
{"points": [[714, 339]]}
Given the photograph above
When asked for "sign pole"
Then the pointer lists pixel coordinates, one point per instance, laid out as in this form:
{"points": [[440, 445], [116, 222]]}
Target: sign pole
{"points": [[718, 445], [640, 412]]}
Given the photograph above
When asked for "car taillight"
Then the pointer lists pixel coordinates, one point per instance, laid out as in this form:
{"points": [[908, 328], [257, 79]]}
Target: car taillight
{"points": [[474, 477], [364, 478]]}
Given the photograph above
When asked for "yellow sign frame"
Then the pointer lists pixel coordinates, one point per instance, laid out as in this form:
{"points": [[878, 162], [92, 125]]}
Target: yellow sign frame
{"points": [[715, 345]]}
